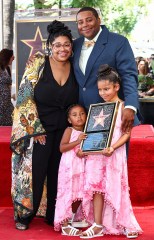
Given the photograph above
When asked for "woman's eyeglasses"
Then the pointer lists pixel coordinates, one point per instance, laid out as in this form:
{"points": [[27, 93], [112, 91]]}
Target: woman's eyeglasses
{"points": [[58, 46]]}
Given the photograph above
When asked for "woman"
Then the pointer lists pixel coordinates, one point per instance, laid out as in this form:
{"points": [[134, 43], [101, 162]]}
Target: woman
{"points": [[6, 106], [144, 78], [47, 89]]}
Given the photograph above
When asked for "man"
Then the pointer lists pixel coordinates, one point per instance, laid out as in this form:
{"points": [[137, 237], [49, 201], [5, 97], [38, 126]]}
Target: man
{"points": [[106, 48]]}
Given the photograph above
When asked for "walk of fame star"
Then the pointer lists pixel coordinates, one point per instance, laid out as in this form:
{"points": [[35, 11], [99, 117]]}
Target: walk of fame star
{"points": [[36, 43], [99, 119]]}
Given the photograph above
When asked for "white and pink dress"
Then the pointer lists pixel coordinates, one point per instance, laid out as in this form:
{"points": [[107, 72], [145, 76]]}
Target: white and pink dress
{"points": [[108, 176], [70, 183]]}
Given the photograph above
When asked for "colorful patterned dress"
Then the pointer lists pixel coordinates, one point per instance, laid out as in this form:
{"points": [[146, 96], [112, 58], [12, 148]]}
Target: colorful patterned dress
{"points": [[6, 106], [108, 176], [70, 183], [26, 125]]}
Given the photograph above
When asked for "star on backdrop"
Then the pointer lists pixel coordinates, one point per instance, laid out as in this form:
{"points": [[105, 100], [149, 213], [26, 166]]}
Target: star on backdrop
{"points": [[36, 44], [99, 119]]}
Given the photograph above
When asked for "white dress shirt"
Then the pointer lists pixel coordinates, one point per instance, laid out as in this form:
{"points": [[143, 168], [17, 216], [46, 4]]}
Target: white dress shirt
{"points": [[85, 53]]}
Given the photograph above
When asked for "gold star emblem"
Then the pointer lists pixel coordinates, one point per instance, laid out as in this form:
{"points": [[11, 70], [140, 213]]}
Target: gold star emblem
{"points": [[99, 119], [38, 44]]}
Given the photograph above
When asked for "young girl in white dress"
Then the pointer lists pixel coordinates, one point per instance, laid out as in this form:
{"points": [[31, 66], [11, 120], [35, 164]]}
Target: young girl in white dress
{"points": [[71, 173]]}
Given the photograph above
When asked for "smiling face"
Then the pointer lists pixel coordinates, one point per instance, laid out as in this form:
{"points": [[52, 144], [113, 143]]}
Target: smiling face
{"points": [[108, 90], [88, 24], [61, 48], [77, 117]]}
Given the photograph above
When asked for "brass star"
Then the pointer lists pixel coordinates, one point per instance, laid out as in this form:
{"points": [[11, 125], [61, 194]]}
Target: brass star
{"points": [[99, 119]]}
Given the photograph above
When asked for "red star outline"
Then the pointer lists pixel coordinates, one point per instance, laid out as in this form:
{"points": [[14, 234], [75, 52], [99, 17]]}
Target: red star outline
{"points": [[36, 43]]}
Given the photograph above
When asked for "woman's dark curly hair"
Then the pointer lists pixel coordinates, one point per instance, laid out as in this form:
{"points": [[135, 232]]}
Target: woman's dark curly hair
{"points": [[57, 29], [5, 56]]}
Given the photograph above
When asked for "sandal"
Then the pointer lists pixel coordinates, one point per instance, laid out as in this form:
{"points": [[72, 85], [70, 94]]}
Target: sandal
{"points": [[80, 224], [71, 219], [90, 232], [131, 234], [21, 226], [73, 231], [77, 224]]}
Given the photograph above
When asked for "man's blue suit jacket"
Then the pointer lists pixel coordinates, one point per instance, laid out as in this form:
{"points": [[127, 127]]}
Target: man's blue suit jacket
{"points": [[113, 49]]}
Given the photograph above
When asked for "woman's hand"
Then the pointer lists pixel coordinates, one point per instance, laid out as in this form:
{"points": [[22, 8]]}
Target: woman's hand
{"points": [[41, 139], [108, 151]]}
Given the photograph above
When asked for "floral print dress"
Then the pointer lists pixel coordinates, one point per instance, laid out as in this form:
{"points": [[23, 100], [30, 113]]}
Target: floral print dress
{"points": [[26, 125]]}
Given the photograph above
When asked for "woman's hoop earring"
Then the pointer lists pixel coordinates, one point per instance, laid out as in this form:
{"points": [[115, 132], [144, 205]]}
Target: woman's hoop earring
{"points": [[49, 52]]}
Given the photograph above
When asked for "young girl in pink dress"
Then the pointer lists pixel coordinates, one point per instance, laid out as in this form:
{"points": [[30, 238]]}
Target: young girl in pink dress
{"points": [[106, 203], [71, 173]]}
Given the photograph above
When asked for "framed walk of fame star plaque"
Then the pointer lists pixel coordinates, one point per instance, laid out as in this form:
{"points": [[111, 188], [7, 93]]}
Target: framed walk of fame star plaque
{"points": [[99, 126]]}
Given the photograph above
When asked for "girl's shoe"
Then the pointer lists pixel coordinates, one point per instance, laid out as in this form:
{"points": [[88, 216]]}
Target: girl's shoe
{"points": [[90, 232], [131, 234], [71, 219], [21, 226], [72, 231], [80, 224], [77, 224]]}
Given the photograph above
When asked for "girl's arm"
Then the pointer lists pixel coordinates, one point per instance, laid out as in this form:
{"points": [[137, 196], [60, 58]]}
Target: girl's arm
{"points": [[65, 145], [122, 140]]}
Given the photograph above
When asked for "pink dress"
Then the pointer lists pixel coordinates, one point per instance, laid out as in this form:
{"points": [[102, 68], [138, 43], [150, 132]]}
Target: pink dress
{"points": [[108, 176], [70, 183]]}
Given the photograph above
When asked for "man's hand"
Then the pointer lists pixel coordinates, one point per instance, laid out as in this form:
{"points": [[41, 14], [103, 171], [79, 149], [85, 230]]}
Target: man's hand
{"points": [[128, 116]]}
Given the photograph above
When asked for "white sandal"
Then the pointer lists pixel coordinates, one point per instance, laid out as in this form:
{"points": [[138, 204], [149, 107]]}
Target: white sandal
{"points": [[73, 231], [80, 224], [71, 219], [77, 224], [90, 232], [131, 234]]}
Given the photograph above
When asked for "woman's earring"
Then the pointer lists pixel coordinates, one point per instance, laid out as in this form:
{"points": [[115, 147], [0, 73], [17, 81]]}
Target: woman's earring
{"points": [[48, 51]]}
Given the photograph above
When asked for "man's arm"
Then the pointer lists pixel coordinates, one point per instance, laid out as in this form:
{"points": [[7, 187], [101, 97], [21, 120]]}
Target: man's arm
{"points": [[126, 67]]}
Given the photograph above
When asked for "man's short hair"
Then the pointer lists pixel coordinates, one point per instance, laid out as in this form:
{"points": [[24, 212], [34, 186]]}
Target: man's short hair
{"points": [[85, 9]]}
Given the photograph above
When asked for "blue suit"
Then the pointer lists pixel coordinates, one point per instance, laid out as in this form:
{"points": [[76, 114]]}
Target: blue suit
{"points": [[114, 50]]}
